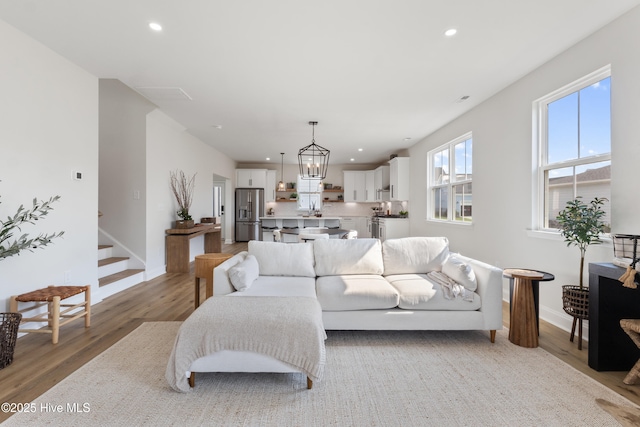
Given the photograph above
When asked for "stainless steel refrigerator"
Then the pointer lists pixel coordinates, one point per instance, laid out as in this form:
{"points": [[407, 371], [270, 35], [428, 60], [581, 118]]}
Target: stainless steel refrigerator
{"points": [[249, 209]]}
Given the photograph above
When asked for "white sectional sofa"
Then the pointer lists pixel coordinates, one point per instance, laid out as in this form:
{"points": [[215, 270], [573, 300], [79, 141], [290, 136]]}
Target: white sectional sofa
{"points": [[332, 284], [362, 284]]}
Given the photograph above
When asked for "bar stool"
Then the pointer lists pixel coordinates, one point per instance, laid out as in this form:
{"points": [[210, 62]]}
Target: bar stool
{"points": [[332, 223], [289, 223], [268, 225], [311, 223], [51, 297]]}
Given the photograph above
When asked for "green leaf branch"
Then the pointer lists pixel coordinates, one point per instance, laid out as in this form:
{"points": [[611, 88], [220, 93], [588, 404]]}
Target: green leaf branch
{"points": [[22, 217]]}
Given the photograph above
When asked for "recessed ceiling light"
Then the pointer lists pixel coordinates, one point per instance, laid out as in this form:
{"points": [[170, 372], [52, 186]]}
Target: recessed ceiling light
{"points": [[352, 160], [407, 139], [268, 158], [216, 126], [450, 32], [360, 149], [155, 26]]}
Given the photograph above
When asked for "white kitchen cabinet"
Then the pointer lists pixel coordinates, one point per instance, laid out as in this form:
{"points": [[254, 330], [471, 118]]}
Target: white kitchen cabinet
{"points": [[399, 178], [381, 183], [270, 188], [369, 186], [393, 228], [251, 178], [354, 186]]}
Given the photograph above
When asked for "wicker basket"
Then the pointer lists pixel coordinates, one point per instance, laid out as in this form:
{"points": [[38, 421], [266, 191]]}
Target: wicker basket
{"points": [[9, 323], [575, 301]]}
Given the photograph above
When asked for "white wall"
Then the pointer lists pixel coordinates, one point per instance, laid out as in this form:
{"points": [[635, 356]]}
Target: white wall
{"points": [[139, 146], [123, 131], [170, 147], [502, 165], [48, 128]]}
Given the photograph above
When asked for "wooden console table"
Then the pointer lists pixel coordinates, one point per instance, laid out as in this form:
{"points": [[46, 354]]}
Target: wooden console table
{"points": [[177, 244], [610, 348]]}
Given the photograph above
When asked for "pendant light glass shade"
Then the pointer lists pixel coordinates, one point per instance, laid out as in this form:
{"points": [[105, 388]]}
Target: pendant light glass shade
{"points": [[313, 159], [281, 186]]}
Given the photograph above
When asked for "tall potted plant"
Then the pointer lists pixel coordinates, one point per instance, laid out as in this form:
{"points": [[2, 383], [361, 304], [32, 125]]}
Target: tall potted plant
{"points": [[581, 225], [182, 188], [9, 322]]}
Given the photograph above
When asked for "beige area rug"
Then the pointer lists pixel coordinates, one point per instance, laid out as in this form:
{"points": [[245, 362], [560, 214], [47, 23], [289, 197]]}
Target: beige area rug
{"points": [[371, 379]]}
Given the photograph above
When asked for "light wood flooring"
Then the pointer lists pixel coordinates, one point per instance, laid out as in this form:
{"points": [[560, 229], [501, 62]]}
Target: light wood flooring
{"points": [[38, 365]]}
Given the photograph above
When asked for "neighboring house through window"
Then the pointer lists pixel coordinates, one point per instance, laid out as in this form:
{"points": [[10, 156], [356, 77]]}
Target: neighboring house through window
{"points": [[573, 145], [450, 193]]}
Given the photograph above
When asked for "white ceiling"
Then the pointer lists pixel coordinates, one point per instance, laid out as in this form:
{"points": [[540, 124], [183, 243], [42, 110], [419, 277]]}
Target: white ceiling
{"points": [[371, 72]]}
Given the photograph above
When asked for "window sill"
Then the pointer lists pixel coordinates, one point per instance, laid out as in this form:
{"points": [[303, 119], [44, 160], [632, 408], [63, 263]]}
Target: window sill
{"points": [[555, 235], [453, 223]]}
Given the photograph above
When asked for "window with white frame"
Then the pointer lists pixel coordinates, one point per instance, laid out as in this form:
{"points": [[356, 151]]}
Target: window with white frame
{"points": [[309, 194], [449, 175], [574, 147]]}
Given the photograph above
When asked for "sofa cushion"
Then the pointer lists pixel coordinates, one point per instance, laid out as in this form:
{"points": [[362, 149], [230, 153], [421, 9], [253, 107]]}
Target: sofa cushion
{"points": [[460, 271], [280, 259], [414, 254], [417, 292], [348, 256], [278, 286], [244, 273], [355, 292], [413, 289]]}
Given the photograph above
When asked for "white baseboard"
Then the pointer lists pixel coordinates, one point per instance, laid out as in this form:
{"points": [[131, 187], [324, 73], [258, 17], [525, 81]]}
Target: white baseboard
{"points": [[152, 274]]}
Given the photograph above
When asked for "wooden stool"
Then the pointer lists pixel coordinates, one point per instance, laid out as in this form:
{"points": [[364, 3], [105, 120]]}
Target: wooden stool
{"points": [[523, 327], [632, 328], [205, 264], [52, 297]]}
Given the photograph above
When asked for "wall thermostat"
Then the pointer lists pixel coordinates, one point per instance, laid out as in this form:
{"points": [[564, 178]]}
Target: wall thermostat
{"points": [[76, 175]]}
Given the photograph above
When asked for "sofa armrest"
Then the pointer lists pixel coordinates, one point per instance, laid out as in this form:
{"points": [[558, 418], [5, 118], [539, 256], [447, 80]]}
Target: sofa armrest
{"points": [[221, 283], [489, 280]]}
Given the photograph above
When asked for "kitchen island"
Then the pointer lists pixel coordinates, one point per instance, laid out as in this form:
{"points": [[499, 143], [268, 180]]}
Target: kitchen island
{"points": [[270, 223]]}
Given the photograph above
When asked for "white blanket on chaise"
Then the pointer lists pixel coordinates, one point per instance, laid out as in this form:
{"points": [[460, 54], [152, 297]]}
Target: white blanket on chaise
{"points": [[289, 329]]}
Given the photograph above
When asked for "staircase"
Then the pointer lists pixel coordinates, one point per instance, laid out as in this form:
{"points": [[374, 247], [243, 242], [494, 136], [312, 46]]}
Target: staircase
{"points": [[114, 274]]}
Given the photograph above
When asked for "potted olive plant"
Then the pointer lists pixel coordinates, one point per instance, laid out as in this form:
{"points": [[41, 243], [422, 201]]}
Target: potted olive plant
{"points": [[182, 188], [9, 322], [581, 225]]}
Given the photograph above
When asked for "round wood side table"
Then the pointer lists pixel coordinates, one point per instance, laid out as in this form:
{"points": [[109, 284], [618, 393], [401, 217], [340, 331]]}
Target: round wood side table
{"points": [[204, 265], [523, 326]]}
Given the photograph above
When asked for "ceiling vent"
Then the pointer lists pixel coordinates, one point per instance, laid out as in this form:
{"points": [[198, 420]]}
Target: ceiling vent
{"points": [[163, 93]]}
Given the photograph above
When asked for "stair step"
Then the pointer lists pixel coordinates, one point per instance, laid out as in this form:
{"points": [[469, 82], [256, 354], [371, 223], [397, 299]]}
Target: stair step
{"points": [[105, 251], [111, 260], [118, 276]]}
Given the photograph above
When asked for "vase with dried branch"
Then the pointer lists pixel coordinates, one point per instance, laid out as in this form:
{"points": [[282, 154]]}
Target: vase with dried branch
{"points": [[182, 188]]}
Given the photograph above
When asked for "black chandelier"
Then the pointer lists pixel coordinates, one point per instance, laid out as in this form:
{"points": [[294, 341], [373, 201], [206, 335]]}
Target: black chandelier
{"points": [[313, 159]]}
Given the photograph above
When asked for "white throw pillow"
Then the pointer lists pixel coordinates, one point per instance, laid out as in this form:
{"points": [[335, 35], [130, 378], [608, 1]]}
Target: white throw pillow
{"points": [[282, 259], [461, 272], [348, 256], [244, 273], [414, 255]]}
